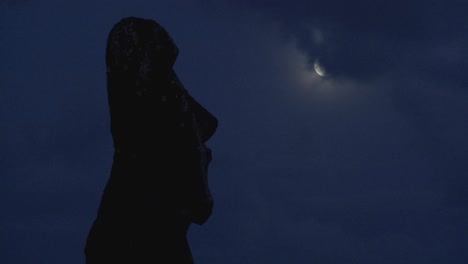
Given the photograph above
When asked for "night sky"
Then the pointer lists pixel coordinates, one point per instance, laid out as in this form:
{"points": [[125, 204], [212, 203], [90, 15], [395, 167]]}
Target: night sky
{"points": [[366, 165]]}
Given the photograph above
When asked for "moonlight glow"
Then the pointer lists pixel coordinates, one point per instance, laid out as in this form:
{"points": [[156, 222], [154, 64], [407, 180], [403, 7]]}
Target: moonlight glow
{"points": [[319, 69]]}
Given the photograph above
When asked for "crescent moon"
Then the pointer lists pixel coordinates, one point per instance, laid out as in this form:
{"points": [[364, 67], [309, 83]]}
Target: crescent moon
{"points": [[319, 69]]}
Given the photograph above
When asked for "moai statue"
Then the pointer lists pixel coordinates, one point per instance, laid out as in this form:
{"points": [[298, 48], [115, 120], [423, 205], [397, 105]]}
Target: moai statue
{"points": [[158, 184]]}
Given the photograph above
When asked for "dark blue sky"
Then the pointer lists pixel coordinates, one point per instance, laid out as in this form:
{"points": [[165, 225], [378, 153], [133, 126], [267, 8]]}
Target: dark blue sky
{"points": [[367, 165]]}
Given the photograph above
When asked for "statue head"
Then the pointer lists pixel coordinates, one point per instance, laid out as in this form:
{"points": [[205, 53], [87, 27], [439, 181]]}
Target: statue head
{"points": [[140, 55]]}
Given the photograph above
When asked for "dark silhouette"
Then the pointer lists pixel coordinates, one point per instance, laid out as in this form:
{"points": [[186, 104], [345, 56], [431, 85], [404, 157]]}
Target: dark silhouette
{"points": [[158, 183]]}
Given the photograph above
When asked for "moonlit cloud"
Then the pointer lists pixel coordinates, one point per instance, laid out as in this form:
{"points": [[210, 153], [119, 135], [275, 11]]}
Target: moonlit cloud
{"points": [[317, 36], [294, 67]]}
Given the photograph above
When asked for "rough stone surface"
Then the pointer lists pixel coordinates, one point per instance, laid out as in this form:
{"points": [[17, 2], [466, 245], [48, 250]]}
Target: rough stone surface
{"points": [[158, 184]]}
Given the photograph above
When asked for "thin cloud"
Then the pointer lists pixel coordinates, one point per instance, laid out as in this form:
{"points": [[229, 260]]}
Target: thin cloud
{"points": [[362, 39]]}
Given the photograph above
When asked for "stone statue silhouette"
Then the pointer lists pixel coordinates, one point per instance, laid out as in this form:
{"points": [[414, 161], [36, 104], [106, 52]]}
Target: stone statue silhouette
{"points": [[158, 183]]}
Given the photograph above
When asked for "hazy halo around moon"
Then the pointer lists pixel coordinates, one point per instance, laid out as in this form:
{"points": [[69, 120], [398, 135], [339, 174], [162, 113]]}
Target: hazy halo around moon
{"points": [[319, 69]]}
